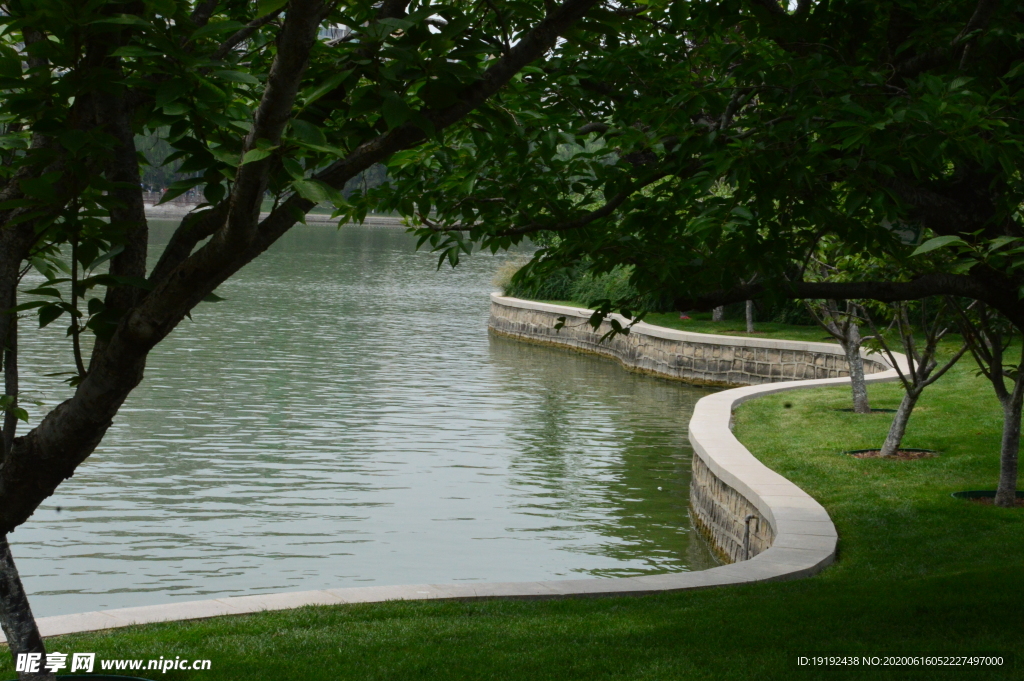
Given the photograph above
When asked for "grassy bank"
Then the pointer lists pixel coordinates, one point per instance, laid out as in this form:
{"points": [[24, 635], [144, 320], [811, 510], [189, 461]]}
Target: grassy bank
{"points": [[918, 572]]}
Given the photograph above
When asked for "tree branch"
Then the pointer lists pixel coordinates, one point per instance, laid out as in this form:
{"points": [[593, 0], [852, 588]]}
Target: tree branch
{"points": [[979, 21], [600, 128], [532, 45], [604, 211], [243, 34], [294, 44], [193, 228], [202, 13], [50, 453], [392, 9]]}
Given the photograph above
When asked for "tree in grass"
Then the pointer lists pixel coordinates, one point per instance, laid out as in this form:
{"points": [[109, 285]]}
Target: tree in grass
{"points": [[842, 323], [736, 136], [990, 338], [286, 98], [923, 366]]}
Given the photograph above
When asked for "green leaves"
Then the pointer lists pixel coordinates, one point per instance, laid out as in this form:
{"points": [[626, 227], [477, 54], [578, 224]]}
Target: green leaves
{"points": [[41, 187], [936, 243], [317, 91], [10, 63], [125, 20], [318, 192], [395, 110], [308, 133], [236, 77], [8, 403], [51, 312], [254, 155], [178, 188], [265, 7], [215, 29], [263, 150], [136, 51]]}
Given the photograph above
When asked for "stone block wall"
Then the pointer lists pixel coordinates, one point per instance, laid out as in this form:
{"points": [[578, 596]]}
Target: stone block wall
{"points": [[696, 358], [732, 525]]}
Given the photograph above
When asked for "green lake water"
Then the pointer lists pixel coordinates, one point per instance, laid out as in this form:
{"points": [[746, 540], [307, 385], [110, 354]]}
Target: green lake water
{"points": [[345, 419]]}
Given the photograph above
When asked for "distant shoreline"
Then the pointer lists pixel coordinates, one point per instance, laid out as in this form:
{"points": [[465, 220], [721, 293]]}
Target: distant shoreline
{"points": [[178, 211]]}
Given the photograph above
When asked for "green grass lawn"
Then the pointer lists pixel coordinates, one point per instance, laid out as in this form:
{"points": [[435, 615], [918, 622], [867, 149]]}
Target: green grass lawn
{"points": [[918, 572]]}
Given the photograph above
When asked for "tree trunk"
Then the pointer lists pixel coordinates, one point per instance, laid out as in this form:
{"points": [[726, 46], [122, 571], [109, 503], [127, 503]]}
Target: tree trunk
{"points": [[16, 616], [750, 316], [10, 419], [1006, 492], [899, 424], [718, 314], [860, 389]]}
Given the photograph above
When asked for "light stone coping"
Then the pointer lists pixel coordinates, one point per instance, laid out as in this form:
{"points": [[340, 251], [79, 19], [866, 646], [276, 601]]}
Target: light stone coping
{"points": [[805, 538], [645, 329]]}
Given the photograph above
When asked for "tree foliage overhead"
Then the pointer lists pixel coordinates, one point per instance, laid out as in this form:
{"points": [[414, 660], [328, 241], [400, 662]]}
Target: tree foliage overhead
{"points": [[286, 98], [719, 140], [289, 99]]}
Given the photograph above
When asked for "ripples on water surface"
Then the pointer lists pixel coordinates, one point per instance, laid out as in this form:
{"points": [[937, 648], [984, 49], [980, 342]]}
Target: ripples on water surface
{"points": [[344, 419]]}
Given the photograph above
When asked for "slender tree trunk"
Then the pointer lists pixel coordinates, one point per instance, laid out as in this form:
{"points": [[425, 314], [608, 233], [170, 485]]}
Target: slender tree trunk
{"points": [[750, 316], [718, 314], [856, 363], [898, 429], [16, 616], [1006, 492]]}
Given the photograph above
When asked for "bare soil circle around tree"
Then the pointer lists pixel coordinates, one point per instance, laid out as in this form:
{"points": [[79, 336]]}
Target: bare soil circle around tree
{"points": [[986, 497], [901, 455]]}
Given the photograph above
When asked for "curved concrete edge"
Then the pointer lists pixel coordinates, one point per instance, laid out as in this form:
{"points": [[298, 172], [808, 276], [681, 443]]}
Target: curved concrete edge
{"points": [[805, 538]]}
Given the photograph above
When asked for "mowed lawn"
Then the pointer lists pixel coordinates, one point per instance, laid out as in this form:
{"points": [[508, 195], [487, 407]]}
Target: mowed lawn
{"points": [[918, 572]]}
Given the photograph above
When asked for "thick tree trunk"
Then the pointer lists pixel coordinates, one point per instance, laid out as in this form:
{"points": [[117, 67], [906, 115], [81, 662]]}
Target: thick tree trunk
{"points": [[16, 616], [10, 384], [718, 314], [898, 429], [750, 316], [1006, 492]]}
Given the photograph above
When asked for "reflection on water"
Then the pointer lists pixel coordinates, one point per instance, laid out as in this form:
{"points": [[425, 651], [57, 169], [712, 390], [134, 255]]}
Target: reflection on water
{"points": [[344, 419]]}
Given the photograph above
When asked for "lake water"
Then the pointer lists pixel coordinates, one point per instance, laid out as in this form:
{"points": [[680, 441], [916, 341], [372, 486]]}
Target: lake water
{"points": [[345, 419]]}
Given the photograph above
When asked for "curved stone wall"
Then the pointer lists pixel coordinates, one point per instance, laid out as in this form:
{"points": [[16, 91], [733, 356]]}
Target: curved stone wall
{"points": [[768, 526], [742, 507], [701, 358]]}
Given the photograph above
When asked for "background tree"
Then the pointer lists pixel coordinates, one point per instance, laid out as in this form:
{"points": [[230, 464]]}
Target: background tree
{"points": [[990, 338], [734, 136], [922, 369], [843, 325], [286, 98]]}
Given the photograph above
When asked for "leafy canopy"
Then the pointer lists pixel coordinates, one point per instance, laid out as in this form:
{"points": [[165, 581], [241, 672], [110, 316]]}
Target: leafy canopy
{"points": [[714, 141]]}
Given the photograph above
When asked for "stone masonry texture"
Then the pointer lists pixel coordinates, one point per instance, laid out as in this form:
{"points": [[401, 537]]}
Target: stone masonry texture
{"points": [[732, 525], [693, 362]]}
